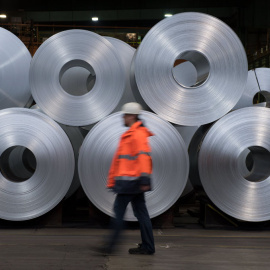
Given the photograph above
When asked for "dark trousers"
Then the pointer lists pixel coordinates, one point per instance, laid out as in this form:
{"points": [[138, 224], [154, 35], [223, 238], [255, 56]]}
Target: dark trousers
{"points": [[141, 213]]}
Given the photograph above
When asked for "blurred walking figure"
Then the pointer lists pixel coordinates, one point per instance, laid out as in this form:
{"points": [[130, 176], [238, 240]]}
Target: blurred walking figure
{"points": [[129, 178]]}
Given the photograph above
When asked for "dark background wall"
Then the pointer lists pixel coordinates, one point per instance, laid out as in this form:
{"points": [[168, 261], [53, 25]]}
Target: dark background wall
{"points": [[249, 19]]}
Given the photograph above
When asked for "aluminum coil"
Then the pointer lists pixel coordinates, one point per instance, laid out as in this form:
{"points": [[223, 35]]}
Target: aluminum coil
{"points": [[215, 51], [245, 197], [14, 71], [258, 82], [54, 156], [69, 49], [170, 163]]}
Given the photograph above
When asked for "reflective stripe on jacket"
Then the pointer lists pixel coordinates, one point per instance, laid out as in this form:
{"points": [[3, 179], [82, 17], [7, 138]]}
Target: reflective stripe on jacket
{"points": [[132, 162]]}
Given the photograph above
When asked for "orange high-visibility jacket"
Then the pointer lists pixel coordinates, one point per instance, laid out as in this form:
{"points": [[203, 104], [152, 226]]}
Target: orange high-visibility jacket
{"points": [[132, 163]]}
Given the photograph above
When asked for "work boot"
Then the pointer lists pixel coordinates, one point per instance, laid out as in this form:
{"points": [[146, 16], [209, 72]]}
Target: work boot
{"points": [[140, 250]]}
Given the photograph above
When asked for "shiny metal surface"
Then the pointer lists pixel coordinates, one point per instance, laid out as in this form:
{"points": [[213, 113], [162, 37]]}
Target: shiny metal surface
{"points": [[14, 71], [170, 163], [134, 87], [69, 49], [227, 143], [125, 54], [76, 138], [258, 82], [214, 50], [54, 156]]}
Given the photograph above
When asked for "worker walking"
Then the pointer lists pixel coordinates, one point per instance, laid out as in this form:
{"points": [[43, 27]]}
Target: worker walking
{"points": [[129, 178]]}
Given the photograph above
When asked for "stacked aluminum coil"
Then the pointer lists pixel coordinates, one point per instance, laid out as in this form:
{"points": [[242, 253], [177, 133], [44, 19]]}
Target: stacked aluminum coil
{"points": [[212, 48], [241, 193], [170, 163], [66, 50], [79, 79], [23, 199], [230, 159]]}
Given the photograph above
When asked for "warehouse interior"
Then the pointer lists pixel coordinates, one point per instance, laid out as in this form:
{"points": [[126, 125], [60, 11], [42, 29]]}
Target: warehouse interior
{"points": [[192, 230]]}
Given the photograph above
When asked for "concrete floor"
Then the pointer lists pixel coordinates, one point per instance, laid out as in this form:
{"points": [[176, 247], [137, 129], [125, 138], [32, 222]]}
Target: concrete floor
{"points": [[178, 248]]}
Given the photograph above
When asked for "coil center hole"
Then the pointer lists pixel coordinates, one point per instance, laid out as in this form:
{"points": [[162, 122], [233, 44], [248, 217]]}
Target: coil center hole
{"points": [[77, 77], [17, 164], [258, 164], [191, 69]]}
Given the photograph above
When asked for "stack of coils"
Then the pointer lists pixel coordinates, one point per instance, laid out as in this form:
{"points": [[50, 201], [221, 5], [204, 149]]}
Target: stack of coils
{"points": [[89, 78], [190, 69], [230, 159], [170, 163]]}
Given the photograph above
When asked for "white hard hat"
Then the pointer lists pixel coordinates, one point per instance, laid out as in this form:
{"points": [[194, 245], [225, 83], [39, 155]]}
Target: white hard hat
{"points": [[131, 108]]}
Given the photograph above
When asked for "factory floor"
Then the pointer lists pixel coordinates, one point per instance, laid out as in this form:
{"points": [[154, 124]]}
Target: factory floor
{"points": [[176, 248]]}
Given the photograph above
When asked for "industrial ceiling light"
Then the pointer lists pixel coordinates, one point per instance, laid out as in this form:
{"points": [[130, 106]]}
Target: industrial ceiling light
{"points": [[168, 15], [94, 19], [3, 16]]}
